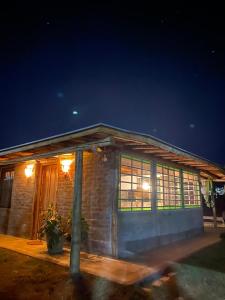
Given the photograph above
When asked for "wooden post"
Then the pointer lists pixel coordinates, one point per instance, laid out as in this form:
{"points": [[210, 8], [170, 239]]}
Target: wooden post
{"points": [[76, 216], [214, 210]]}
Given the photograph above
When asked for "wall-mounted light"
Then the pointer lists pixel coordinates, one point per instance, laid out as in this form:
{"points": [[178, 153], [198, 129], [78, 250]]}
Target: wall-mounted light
{"points": [[29, 170], [65, 164]]}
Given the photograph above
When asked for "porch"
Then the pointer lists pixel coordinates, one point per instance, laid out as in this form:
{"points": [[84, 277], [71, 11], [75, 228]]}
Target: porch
{"points": [[145, 265], [115, 270]]}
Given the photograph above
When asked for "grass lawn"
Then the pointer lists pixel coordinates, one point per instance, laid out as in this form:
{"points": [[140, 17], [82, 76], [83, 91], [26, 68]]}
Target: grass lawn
{"points": [[23, 277], [200, 276]]}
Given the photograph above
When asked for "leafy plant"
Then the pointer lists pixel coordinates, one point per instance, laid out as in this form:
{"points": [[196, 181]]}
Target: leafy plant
{"points": [[84, 228], [52, 226], [207, 191]]}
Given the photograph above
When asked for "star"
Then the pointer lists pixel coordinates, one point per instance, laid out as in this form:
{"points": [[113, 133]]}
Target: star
{"points": [[75, 112], [192, 126], [60, 95]]}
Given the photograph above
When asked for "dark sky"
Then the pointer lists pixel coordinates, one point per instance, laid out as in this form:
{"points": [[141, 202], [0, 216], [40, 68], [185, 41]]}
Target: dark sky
{"points": [[158, 70]]}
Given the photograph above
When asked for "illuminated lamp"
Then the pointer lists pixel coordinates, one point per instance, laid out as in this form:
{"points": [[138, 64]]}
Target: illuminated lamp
{"points": [[65, 164], [29, 170]]}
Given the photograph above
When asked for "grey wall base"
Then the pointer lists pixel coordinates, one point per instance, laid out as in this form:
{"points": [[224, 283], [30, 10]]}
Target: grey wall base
{"points": [[141, 231]]}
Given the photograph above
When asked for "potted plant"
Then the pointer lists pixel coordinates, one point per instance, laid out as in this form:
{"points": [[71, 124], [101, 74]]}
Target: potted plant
{"points": [[52, 228]]}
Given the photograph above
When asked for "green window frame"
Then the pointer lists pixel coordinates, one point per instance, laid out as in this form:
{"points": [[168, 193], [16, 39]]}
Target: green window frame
{"points": [[135, 184], [191, 188], [168, 187]]}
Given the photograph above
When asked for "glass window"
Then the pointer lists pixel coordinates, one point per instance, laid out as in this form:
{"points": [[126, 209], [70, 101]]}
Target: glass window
{"points": [[191, 190], [135, 184], [6, 182], [168, 187]]}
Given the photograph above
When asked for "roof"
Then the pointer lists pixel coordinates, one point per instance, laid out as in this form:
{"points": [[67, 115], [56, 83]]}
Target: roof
{"points": [[131, 140]]}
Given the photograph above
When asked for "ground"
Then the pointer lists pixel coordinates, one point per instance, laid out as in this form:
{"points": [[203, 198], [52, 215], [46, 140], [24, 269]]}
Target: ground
{"points": [[23, 277], [200, 276]]}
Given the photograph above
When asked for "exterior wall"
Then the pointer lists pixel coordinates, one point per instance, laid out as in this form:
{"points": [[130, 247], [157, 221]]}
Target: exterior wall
{"points": [[98, 195], [136, 231], [17, 220], [143, 230], [139, 231], [64, 192]]}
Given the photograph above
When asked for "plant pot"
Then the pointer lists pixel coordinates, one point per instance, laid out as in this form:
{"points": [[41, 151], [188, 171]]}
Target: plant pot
{"points": [[55, 244]]}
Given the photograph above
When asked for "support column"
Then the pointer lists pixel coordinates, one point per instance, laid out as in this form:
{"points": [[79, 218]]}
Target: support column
{"points": [[214, 209], [76, 216]]}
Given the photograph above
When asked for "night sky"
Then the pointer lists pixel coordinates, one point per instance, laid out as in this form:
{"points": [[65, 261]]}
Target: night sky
{"points": [[155, 70]]}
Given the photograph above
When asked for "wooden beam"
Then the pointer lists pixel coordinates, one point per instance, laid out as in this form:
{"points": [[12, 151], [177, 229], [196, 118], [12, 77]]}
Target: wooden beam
{"points": [[145, 147], [128, 140], [101, 143], [76, 216], [155, 151], [84, 132]]}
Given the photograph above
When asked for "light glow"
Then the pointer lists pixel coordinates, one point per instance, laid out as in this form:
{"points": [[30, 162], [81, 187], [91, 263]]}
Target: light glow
{"points": [[146, 186], [65, 163], [29, 170]]}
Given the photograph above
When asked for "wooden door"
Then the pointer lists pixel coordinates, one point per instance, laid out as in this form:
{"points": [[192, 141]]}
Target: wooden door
{"points": [[47, 190]]}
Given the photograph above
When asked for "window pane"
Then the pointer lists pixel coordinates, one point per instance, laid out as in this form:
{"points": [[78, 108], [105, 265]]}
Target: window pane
{"points": [[125, 186], [126, 170], [135, 185], [136, 164], [125, 161], [168, 187], [191, 190], [125, 178]]}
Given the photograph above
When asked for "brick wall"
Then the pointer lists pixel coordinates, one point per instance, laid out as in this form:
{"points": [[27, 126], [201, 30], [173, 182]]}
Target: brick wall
{"points": [[18, 219], [64, 193], [98, 196]]}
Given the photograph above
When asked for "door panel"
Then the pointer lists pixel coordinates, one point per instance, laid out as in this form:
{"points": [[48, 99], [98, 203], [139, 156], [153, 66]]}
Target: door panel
{"points": [[48, 187], [47, 191]]}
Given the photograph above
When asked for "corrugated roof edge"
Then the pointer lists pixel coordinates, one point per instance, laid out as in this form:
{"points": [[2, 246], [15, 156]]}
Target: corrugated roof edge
{"points": [[115, 128]]}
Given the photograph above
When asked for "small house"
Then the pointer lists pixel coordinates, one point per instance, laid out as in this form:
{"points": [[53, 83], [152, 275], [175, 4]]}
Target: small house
{"points": [[138, 192]]}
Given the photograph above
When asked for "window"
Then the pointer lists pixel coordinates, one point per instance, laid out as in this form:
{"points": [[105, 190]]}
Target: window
{"points": [[6, 182], [135, 184], [168, 187], [191, 190]]}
